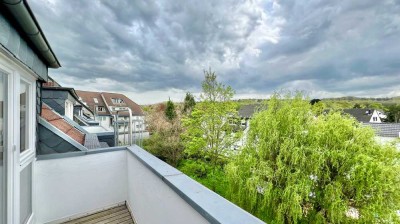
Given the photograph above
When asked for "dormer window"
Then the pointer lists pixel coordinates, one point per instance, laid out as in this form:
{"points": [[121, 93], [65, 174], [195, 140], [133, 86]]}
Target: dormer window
{"points": [[117, 100], [101, 109], [95, 100]]}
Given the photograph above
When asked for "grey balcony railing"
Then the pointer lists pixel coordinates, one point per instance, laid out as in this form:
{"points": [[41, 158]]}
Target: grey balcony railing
{"points": [[75, 184]]}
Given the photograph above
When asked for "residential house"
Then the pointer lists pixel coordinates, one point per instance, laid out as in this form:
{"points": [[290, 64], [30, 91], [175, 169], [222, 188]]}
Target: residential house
{"points": [[246, 112], [111, 106], [366, 115], [66, 102]]}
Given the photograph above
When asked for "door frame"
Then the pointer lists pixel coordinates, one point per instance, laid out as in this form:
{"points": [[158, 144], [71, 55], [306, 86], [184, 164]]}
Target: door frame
{"points": [[14, 161]]}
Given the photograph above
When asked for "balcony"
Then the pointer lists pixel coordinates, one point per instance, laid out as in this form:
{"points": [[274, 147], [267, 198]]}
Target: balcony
{"points": [[73, 185]]}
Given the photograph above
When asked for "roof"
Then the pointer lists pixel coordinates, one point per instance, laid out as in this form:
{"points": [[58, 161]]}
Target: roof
{"points": [[247, 111], [88, 98], [104, 99], [51, 83], [68, 89], [24, 17], [60, 123], [386, 129], [360, 114], [136, 109], [92, 142]]}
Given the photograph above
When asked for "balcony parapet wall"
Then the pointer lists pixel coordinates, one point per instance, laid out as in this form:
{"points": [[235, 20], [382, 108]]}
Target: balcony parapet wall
{"points": [[73, 184]]}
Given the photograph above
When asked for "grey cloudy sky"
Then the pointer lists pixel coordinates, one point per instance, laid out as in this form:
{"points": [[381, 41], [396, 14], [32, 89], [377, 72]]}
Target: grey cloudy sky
{"points": [[152, 50]]}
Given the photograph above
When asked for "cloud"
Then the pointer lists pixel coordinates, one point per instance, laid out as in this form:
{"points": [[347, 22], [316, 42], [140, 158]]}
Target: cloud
{"points": [[154, 49]]}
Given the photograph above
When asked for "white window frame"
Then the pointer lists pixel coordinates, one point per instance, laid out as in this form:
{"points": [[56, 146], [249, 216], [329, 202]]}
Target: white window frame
{"points": [[103, 109], [17, 161], [117, 100], [69, 109], [28, 155]]}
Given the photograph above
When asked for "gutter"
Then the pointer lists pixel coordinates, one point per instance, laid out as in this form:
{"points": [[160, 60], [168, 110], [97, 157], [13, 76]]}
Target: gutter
{"points": [[22, 13]]}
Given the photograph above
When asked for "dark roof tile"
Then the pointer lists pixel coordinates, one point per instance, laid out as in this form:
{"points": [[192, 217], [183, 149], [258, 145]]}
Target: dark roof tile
{"points": [[386, 129]]}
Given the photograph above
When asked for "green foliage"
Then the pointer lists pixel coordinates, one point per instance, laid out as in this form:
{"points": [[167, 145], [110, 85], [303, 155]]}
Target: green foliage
{"points": [[208, 175], [209, 130], [166, 145], [164, 141], [170, 112], [188, 103], [300, 168], [393, 113]]}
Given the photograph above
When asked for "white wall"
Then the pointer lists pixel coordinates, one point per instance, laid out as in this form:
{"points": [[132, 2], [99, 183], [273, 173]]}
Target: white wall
{"points": [[70, 186], [76, 185], [152, 201], [104, 121]]}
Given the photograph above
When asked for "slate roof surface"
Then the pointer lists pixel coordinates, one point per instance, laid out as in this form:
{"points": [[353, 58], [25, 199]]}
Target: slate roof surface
{"points": [[386, 129], [88, 97], [104, 145], [92, 142], [50, 116], [247, 111], [360, 114], [71, 91]]}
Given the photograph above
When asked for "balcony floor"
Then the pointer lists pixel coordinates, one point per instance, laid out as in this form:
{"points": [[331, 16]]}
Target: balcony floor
{"points": [[114, 215]]}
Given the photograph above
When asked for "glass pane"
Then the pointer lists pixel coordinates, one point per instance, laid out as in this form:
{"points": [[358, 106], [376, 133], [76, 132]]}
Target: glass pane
{"points": [[23, 109], [2, 143], [26, 193]]}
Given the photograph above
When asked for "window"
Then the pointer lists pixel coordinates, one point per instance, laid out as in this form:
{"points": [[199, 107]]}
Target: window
{"points": [[375, 119], [69, 109], [3, 100], [2, 120], [23, 115], [101, 109], [95, 100], [117, 100], [17, 134]]}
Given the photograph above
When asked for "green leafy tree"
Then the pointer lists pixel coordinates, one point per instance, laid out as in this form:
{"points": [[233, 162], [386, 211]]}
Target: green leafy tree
{"points": [[375, 105], [188, 103], [209, 130], [300, 168], [393, 113], [170, 112]]}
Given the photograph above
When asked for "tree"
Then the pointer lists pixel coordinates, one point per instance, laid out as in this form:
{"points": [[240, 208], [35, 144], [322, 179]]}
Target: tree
{"points": [[314, 101], [170, 112], [300, 168], [164, 141], [188, 103], [393, 113], [209, 133]]}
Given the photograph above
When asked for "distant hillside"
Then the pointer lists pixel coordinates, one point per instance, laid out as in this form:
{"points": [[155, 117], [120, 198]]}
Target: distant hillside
{"points": [[354, 98]]}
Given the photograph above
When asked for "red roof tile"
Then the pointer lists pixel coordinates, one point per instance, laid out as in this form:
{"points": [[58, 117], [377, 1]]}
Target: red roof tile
{"points": [[61, 124], [88, 97]]}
